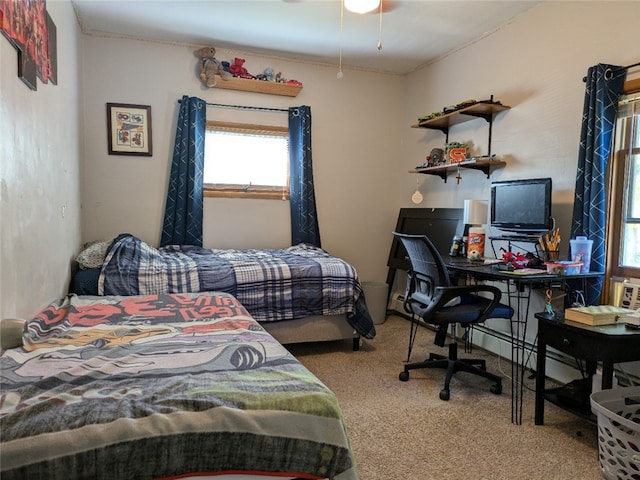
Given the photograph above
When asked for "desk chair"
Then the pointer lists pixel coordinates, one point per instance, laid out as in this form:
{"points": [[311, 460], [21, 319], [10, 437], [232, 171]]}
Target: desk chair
{"points": [[431, 297]]}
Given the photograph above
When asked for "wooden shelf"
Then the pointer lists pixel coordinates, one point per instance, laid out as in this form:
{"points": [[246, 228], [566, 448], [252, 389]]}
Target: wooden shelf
{"points": [[258, 86], [479, 110], [486, 166]]}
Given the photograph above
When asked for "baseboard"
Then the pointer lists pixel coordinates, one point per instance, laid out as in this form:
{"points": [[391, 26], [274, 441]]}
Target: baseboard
{"points": [[396, 300]]}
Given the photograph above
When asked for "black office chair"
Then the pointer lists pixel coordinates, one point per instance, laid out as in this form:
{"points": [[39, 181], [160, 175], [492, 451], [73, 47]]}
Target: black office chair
{"points": [[430, 296]]}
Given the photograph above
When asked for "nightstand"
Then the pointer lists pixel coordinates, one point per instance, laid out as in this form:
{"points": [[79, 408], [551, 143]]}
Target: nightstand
{"points": [[609, 344]]}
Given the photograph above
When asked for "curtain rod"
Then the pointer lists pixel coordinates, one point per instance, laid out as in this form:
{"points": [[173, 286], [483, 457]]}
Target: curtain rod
{"points": [[609, 73], [244, 107]]}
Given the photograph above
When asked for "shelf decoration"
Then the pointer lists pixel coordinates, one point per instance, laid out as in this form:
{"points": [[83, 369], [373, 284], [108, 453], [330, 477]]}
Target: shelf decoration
{"points": [[235, 76], [455, 155], [484, 164], [455, 152]]}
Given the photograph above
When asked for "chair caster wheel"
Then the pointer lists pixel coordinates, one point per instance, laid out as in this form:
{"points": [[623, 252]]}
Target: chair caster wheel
{"points": [[496, 389], [444, 394], [404, 376]]}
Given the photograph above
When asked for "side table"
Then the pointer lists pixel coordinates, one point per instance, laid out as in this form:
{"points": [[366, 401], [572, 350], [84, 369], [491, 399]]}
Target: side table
{"points": [[609, 344]]}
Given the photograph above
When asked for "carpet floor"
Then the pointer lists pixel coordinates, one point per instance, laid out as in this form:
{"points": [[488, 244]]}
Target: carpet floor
{"points": [[402, 430]]}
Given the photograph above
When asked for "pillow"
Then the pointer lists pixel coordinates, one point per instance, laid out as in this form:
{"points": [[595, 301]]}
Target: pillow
{"points": [[92, 256]]}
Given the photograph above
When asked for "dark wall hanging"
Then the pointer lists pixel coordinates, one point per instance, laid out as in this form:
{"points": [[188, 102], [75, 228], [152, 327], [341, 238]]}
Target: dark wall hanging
{"points": [[29, 28]]}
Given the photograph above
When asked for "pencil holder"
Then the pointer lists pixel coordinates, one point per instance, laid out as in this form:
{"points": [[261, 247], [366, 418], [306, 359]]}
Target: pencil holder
{"points": [[552, 255]]}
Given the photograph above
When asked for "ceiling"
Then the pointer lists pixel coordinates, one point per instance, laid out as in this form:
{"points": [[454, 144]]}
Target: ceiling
{"points": [[414, 32]]}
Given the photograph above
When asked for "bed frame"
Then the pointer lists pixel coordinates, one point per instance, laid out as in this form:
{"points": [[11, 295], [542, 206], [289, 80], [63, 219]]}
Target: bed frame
{"points": [[318, 328]]}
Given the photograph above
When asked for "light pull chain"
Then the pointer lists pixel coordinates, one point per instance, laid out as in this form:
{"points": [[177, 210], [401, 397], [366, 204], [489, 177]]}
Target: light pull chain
{"points": [[380, 29], [340, 74]]}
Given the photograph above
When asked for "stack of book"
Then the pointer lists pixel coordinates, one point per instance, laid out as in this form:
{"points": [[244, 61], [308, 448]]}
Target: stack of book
{"points": [[597, 314]]}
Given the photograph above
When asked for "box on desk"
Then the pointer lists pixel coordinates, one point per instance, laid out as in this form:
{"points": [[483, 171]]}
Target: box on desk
{"points": [[596, 314]]}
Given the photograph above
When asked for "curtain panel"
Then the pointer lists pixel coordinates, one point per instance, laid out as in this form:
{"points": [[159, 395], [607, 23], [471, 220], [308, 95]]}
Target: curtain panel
{"points": [[304, 218], [603, 89], [183, 210]]}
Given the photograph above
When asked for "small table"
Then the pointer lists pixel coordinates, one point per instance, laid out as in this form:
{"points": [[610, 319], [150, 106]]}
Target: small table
{"points": [[609, 344]]}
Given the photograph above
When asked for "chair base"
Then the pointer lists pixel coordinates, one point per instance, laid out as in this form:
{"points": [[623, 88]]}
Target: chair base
{"points": [[452, 364]]}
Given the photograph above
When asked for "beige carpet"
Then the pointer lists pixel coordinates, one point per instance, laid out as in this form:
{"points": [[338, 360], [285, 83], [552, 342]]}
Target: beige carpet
{"points": [[403, 431]]}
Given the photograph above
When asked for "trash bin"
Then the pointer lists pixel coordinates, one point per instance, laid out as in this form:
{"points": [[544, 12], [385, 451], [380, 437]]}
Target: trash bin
{"points": [[375, 295]]}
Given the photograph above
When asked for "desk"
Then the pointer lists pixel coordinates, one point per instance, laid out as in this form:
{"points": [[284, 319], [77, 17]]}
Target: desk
{"points": [[519, 297], [608, 344]]}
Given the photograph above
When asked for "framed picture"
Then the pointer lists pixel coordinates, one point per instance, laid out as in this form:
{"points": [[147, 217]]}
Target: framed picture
{"points": [[30, 29], [129, 129]]}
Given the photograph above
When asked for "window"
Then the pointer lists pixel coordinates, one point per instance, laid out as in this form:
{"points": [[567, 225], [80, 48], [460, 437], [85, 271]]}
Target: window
{"points": [[624, 209], [246, 161]]}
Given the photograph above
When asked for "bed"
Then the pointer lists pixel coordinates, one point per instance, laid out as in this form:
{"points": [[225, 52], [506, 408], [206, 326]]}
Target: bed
{"points": [[163, 386], [322, 293]]}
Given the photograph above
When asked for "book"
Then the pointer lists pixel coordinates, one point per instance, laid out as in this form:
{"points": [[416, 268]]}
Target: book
{"points": [[596, 314], [526, 271]]}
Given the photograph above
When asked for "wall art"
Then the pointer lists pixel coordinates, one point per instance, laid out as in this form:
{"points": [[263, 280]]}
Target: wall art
{"points": [[31, 31], [129, 129]]}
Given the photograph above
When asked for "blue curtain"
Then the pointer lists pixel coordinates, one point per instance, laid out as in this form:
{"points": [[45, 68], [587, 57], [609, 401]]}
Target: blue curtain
{"points": [[304, 219], [183, 209], [603, 88]]}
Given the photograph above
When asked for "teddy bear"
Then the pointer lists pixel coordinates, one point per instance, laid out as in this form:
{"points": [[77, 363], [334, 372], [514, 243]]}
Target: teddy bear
{"points": [[209, 67], [238, 70]]}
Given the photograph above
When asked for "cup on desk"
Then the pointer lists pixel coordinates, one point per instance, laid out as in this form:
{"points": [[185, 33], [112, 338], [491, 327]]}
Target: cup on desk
{"points": [[581, 252]]}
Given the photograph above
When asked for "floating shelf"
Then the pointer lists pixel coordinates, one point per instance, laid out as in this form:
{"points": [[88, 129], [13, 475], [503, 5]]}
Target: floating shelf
{"points": [[258, 86], [481, 110], [487, 166]]}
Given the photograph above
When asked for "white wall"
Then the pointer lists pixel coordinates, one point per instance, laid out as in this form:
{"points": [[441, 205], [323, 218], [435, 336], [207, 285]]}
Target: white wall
{"points": [[356, 132], [40, 167], [535, 65], [362, 141]]}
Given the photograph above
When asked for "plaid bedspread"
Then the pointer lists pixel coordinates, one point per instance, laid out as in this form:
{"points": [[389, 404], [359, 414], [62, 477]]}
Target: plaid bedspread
{"points": [[273, 284], [154, 386]]}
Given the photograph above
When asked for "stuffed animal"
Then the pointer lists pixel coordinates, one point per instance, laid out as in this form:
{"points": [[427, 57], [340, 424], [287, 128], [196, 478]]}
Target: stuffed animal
{"points": [[238, 70], [267, 75], [210, 67]]}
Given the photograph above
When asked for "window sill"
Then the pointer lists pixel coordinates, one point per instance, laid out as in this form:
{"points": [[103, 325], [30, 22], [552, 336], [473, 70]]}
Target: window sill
{"points": [[255, 194]]}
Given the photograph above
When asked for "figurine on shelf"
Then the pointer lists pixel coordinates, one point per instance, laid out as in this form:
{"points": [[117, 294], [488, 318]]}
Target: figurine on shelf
{"points": [[436, 157], [209, 67], [266, 76], [237, 69]]}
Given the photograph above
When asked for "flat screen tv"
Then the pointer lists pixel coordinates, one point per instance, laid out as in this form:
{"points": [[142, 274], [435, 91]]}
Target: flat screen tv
{"points": [[522, 206]]}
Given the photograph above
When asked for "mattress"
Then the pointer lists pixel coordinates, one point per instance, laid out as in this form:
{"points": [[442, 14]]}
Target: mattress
{"points": [[159, 386]]}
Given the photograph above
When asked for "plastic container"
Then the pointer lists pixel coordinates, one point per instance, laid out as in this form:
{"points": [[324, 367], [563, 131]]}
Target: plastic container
{"points": [[581, 252], [564, 267], [618, 412], [375, 294]]}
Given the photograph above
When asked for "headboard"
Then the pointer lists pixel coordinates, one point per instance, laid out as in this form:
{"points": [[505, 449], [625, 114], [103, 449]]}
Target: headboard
{"points": [[439, 224]]}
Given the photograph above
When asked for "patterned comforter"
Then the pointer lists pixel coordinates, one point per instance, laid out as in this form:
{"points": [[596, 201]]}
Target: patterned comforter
{"points": [[155, 386], [273, 284]]}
